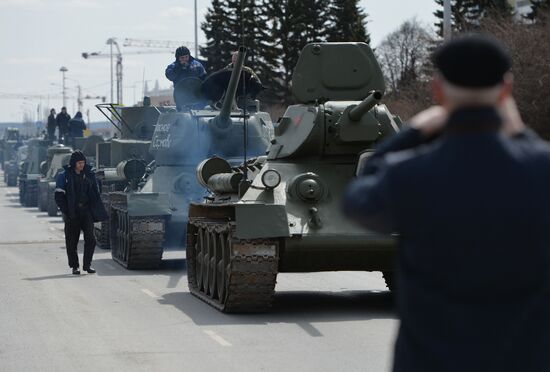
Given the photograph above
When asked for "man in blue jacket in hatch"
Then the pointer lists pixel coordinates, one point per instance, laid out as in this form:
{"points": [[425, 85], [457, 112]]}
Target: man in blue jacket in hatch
{"points": [[184, 66], [466, 187]]}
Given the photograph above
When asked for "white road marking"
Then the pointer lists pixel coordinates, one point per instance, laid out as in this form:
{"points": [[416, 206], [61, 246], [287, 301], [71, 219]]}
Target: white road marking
{"points": [[149, 293], [216, 337]]}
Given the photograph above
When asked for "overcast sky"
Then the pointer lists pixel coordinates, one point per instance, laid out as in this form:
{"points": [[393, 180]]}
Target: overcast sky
{"points": [[37, 37]]}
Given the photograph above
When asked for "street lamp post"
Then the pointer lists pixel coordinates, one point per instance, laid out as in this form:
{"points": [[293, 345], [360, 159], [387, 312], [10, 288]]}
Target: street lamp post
{"points": [[63, 70]]}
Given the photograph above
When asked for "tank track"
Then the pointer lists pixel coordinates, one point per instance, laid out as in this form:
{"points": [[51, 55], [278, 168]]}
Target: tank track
{"points": [[31, 195], [136, 241], [28, 194], [51, 205], [101, 229], [232, 275], [22, 189], [11, 178], [43, 197]]}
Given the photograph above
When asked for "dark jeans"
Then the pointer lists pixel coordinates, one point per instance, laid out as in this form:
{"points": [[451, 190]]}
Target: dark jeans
{"points": [[85, 223]]}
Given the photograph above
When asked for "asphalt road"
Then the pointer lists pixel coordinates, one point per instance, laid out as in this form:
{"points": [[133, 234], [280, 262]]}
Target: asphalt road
{"points": [[121, 320]]}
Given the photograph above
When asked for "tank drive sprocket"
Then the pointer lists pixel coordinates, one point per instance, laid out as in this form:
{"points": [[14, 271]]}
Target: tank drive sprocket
{"points": [[233, 275]]}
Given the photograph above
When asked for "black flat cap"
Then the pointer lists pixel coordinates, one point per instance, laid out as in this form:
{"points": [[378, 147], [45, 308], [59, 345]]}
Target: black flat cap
{"points": [[473, 61]]}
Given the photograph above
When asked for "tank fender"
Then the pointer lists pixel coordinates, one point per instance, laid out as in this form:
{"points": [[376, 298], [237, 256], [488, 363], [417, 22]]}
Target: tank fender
{"points": [[261, 221], [148, 204]]}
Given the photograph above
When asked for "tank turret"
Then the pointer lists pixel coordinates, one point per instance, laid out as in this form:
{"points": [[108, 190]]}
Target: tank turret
{"points": [[288, 217], [207, 122], [134, 129]]}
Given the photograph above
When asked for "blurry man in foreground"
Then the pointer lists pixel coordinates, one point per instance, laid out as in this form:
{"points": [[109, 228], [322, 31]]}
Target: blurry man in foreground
{"points": [[466, 187]]}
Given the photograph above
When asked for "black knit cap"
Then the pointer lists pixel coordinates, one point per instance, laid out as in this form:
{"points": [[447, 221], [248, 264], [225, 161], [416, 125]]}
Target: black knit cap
{"points": [[77, 155], [473, 61], [182, 51]]}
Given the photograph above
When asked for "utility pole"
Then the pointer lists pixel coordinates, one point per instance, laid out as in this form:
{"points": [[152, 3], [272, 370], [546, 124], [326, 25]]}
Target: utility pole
{"points": [[196, 42], [110, 42], [63, 70], [447, 33]]}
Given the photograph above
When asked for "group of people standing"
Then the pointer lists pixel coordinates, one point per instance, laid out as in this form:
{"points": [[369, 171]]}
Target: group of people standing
{"points": [[67, 128]]}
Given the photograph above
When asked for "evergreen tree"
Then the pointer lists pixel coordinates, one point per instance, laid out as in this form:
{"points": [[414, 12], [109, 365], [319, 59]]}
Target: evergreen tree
{"points": [[249, 26], [468, 14], [295, 23], [347, 22], [215, 28], [536, 7]]}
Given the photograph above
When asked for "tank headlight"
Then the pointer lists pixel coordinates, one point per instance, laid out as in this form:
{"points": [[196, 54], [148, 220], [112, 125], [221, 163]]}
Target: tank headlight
{"points": [[308, 187], [271, 178]]}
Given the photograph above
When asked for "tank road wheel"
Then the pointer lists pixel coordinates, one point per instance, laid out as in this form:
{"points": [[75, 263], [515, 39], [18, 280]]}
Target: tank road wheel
{"points": [[222, 261], [212, 280], [206, 262], [237, 275], [198, 258], [115, 235]]}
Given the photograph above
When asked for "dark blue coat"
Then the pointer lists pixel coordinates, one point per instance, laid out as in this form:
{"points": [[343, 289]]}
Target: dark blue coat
{"points": [[65, 196], [76, 127], [175, 72], [473, 213], [62, 120]]}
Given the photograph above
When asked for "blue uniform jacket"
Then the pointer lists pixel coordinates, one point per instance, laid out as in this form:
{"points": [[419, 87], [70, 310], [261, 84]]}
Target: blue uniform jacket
{"points": [[175, 72], [76, 127], [472, 210]]}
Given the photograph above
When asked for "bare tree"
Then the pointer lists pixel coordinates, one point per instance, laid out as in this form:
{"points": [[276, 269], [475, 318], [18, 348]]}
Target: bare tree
{"points": [[527, 44], [404, 55]]}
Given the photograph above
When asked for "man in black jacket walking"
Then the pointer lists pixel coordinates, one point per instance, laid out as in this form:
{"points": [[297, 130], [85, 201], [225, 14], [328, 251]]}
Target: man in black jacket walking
{"points": [[466, 187], [77, 196]]}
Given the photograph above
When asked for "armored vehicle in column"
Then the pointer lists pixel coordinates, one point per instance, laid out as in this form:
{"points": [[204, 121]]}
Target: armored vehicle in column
{"points": [[146, 220], [8, 155], [281, 212], [88, 146], [129, 152], [57, 157], [29, 171]]}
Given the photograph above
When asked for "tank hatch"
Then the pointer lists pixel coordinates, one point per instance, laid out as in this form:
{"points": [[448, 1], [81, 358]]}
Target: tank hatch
{"points": [[336, 72]]}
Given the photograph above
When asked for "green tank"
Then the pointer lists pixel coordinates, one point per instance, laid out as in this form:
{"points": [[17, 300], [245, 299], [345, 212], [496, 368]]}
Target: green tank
{"points": [[152, 217], [8, 155], [29, 171], [88, 146], [57, 157], [128, 152], [281, 212]]}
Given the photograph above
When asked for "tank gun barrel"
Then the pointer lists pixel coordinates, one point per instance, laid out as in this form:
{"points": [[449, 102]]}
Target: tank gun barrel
{"points": [[365, 106], [223, 119]]}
